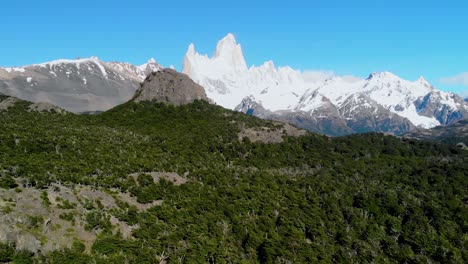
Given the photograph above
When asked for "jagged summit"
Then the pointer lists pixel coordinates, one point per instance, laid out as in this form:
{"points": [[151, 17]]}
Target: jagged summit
{"points": [[315, 95], [191, 50], [230, 53], [169, 86], [421, 80], [227, 58], [90, 84], [226, 46], [382, 75]]}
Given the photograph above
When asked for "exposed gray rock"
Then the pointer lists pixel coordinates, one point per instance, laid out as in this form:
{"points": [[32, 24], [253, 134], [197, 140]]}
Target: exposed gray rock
{"points": [[7, 103], [363, 115], [358, 114], [45, 107], [28, 242], [76, 85], [250, 107], [169, 86], [431, 106], [270, 135], [50, 232]]}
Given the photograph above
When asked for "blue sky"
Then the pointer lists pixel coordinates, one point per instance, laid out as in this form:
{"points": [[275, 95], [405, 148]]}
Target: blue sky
{"points": [[408, 38]]}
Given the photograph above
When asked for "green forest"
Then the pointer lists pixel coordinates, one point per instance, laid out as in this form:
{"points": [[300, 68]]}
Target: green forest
{"points": [[368, 198]]}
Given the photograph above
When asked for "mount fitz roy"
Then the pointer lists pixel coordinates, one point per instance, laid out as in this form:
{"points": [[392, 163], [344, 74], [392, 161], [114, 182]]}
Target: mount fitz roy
{"points": [[317, 101], [321, 102]]}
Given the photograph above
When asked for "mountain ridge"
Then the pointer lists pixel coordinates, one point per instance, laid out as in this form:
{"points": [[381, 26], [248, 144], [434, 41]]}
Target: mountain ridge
{"points": [[382, 102], [283, 90], [80, 85]]}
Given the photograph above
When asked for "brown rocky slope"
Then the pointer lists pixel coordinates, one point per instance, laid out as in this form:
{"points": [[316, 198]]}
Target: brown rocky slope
{"points": [[169, 86]]}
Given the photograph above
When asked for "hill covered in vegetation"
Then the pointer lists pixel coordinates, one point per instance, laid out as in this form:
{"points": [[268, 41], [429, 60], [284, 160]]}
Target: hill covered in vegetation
{"points": [[452, 134], [154, 183]]}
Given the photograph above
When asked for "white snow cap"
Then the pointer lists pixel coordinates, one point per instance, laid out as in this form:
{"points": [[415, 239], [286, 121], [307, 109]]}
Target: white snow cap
{"points": [[424, 82], [384, 75], [227, 81], [230, 53], [191, 49]]}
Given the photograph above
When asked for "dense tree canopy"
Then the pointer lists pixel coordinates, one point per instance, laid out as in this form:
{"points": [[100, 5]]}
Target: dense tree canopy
{"points": [[357, 199]]}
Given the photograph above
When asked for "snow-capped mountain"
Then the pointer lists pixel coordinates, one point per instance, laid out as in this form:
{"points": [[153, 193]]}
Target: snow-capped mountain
{"points": [[318, 101], [335, 104], [227, 80], [76, 85]]}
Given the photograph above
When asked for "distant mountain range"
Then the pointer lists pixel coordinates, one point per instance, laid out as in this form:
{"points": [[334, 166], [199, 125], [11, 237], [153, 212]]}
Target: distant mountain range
{"points": [[334, 105], [317, 101], [81, 85]]}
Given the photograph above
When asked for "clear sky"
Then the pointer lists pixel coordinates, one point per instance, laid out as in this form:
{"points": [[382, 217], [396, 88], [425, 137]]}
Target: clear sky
{"points": [[409, 38]]}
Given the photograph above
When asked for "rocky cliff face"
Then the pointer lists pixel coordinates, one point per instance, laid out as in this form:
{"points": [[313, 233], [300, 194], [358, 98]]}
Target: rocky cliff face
{"points": [[169, 86], [320, 101]]}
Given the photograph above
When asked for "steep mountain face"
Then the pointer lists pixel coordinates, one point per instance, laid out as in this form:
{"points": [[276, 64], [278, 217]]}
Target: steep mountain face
{"points": [[227, 80], [169, 86], [334, 105], [76, 85]]}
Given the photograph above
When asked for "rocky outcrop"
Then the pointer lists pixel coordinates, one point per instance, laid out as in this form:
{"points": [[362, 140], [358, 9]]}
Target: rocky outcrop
{"points": [[432, 105], [45, 107], [169, 86], [7, 102], [270, 135]]}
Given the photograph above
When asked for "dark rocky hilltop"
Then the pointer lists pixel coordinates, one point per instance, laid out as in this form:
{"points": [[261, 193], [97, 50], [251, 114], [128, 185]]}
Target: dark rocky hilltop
{"points": [[169, 86]]}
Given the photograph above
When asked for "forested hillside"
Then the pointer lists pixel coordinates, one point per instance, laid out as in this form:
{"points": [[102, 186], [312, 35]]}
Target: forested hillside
{"points": [[232, 199], [453, 134]]}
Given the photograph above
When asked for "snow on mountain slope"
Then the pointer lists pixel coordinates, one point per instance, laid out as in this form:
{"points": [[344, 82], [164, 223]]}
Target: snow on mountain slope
{"points": [[138, 73], [388, 90], [79, 85], [228, 81]]}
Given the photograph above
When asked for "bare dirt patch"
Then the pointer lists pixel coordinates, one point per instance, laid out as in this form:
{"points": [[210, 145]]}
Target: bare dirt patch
{"points": [[270, 135], [7, 103], [34, 219]]}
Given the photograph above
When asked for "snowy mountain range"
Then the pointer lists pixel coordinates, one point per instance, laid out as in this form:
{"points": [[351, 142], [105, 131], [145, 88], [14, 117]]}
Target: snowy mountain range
{"points": [[318, 101], [326, 103], [76, 85]]}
